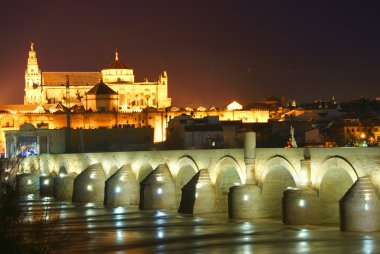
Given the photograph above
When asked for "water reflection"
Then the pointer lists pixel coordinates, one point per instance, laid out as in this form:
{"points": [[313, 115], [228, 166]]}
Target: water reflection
{"points": [[96, 229], [160, 233]]}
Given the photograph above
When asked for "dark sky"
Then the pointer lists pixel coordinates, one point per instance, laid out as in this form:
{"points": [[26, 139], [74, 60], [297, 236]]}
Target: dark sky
{"points": [[214, 51]]}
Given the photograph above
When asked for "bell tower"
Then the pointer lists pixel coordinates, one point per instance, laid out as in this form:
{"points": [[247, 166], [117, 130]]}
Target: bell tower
{"points": [[32, 79]]}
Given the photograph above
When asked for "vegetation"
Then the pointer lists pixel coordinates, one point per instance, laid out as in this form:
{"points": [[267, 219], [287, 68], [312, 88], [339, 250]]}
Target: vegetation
{"points": [[19, 231]]}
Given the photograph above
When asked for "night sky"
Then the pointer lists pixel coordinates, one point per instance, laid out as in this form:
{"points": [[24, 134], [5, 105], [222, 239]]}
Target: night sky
{"points": [[214, 51]]}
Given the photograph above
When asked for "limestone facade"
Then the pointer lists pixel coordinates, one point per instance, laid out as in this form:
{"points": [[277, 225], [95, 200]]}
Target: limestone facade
{"points": [[52, 87]]}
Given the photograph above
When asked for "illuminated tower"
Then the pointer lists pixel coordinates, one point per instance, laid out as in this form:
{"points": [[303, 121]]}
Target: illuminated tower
{"points": [[32, 79]]}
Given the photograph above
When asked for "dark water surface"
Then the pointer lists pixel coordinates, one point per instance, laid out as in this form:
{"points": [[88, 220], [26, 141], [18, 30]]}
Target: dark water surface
{"points": [[92, 228]]}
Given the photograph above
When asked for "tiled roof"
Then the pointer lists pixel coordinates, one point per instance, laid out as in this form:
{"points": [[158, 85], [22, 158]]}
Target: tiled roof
{"points": [[101, 88], [75, 78], [116, 64], [19, 107]]}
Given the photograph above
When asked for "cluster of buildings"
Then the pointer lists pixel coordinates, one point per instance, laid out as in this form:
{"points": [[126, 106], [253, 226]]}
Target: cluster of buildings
{"points": [[61, 108], [108, 110]]}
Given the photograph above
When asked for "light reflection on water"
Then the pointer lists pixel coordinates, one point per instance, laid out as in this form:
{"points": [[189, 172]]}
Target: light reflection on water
{"points": [[93, 228]]}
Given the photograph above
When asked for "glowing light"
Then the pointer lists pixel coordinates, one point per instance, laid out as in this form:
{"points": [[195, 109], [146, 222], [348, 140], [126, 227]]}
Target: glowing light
{"points": [[117, 189], [246, 225], [366, 207], [304, 177], [196, 194], [119, 210], [29, 182], [6, 178], [160, 178], [62, 175], [159, 191], [122, 178], [303, 233], [234, 106], [246, 197], [366, 196], [46, 182], [92, 176], [89, 187], [237, 184], [159, 213], [302, 203], [198, 185], [160, 233], [119, 234]]}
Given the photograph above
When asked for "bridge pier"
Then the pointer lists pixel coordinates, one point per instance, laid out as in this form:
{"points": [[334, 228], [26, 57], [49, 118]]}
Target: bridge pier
{"points": [[245, 201], [301, 206], [360, 207], [158, 189], [122, 188], [46, 186], [27, 183], [198, 195], [64, 187], [89, 185]]}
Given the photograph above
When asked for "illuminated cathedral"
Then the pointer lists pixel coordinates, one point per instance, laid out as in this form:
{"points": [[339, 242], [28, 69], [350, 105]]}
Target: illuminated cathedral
{"points": [[108, 99], [112, 89]]}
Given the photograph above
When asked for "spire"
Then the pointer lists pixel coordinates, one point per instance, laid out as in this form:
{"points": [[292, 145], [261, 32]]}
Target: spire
{"points": [[32, 59], [116, 55], [32, 78]]}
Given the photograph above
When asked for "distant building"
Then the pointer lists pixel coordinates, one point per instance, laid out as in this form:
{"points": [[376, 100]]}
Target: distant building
{"points": [[52, 87], [361, 133], [29, 140], [107, 99], [185, 132]]}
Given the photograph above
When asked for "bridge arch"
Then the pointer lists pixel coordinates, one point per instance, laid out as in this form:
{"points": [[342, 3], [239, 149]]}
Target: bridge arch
{"points": [[227, 173], [279, 161], [144, 170], [186, 168], [335, 177], [335, 162], [278, 175]]}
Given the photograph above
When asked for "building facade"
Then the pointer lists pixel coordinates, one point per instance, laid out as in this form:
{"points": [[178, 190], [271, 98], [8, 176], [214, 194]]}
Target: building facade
{"points": [[53, 87], [109, 98]]}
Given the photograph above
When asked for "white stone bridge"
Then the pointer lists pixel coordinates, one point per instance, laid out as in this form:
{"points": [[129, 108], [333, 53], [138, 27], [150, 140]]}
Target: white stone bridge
{"points": [[166, 179]]}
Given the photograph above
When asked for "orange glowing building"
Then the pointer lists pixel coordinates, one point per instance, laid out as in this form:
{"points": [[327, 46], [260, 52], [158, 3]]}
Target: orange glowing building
{"points": [[107, 99]]}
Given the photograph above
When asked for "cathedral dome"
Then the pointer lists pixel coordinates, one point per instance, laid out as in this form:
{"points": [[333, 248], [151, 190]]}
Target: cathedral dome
{"points": [[116, 64]]}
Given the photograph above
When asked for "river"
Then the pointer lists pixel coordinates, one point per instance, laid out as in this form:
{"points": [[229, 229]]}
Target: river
{"points": [[93, 228]]}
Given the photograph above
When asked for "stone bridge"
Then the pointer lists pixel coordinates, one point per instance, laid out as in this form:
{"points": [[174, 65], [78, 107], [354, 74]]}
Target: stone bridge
{"points": [[195, 181]]}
